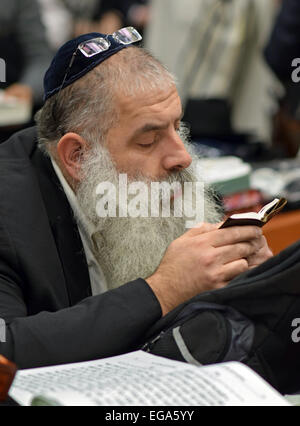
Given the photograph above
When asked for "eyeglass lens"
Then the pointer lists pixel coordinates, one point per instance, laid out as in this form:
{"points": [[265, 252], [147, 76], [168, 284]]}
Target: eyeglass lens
{"points": [[127, 35], [94, 46]]}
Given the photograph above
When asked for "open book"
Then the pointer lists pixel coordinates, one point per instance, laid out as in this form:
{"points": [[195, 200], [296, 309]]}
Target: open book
{"points": [[256, 219], [142, 379]]}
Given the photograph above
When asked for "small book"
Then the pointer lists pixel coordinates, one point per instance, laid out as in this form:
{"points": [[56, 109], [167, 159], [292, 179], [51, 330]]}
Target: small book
{"points": [[256, 219], [142, 379]]}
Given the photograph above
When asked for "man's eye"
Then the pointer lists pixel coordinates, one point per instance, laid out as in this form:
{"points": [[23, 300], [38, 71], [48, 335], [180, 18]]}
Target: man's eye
{"points": [[146, 145]]}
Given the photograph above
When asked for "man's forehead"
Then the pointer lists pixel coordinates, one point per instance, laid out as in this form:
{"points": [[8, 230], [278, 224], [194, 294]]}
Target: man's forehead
{"points": [[152, 102]]}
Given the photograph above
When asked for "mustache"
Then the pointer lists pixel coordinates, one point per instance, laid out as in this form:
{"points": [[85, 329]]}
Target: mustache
{"points": [[181, 176]]}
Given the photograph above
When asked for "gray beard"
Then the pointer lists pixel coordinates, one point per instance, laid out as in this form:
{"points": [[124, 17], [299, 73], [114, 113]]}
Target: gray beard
{"points": [[130, 248]]}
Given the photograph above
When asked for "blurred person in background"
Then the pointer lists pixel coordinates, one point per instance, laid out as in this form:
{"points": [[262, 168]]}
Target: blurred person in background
{"points": [[110, 15], [24, 48], [283, 56], [65, 18], [284, 43], [58, 19], [214, 47]]}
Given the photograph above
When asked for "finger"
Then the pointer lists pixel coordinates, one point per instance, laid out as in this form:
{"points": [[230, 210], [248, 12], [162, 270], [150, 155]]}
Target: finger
{"points": [[233, 269], [264, 243], [201, 228], [258, 244], [234, 252], [236, 234], [263, 250], [260, 257]]}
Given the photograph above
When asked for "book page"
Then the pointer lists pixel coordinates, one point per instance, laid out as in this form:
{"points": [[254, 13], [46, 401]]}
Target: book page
{"points": [[249, 215], [268, 207], [262, 213], [142, 379]]}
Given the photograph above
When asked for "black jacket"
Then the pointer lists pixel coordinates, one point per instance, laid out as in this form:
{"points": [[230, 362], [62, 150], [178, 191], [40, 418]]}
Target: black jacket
{"points": [[45, 293]]}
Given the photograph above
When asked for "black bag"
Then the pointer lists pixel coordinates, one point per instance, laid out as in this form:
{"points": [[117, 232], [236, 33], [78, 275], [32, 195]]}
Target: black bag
{"points": [[250, 320]]}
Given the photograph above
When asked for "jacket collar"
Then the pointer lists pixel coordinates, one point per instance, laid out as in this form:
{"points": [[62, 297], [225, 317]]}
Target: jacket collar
{"points": [[64, 229], [36, 213]]}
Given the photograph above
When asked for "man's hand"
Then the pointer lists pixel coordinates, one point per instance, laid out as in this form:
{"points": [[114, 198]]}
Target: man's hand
{"points": [[206, 258], [262, 255]]}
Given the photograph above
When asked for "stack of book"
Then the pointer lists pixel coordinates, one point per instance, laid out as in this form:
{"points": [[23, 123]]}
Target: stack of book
{"points": [[13, 112], [231, 179]]}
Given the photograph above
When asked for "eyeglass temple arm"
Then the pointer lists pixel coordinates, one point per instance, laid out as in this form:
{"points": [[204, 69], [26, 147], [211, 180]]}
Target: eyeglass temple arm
{"points": [[68, 70]]}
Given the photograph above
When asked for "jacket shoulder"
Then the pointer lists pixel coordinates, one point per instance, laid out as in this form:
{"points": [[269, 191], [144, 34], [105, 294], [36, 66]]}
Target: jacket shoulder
{"points": [[20, 145]]}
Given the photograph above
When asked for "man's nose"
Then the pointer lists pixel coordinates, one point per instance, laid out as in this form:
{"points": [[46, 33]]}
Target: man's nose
{"points": [[177, 157]]}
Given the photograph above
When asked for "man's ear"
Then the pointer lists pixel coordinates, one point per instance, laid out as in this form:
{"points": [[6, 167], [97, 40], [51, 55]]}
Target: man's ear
{"points": [[69, 150]]}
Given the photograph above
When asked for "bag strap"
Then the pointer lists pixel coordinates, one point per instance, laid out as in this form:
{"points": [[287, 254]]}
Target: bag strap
{"points": [[185, 353]]}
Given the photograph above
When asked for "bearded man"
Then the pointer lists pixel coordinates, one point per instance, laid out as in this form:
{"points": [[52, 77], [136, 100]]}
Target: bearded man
{"points": [[76, 286]]}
